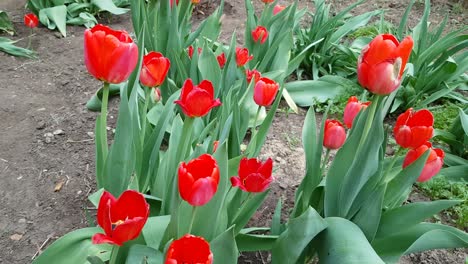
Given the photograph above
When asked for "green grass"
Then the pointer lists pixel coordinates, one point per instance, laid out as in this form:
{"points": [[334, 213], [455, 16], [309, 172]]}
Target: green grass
{"points": [[440, 188], [445, 114]]}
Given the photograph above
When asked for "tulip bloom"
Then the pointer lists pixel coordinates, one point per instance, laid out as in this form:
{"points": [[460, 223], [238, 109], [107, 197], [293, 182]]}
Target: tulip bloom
{"points": [[278, 8], [265, 91], [30, 20], [242, 56], [221, 60], [254, 175], [382, 63], [110, 55], [154, 69], [260, 34], [189, 249], [433, 164], [198, 180], [334, 134], [254, 74], [122, 219], [413, 128], [352, 109], [197, 101], [267, 1], [157, 95], [190, 51]]}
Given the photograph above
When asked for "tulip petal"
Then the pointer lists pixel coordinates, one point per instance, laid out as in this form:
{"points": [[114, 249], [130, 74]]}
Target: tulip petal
{"points": [[102, 238], [404, 52], [185, 182], [422, 117], [129, 230], [106, 202], [202, 191], [130, 204]]}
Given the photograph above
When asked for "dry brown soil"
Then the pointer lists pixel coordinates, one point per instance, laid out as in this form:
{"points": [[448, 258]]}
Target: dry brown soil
{"points": [[46, 139]]}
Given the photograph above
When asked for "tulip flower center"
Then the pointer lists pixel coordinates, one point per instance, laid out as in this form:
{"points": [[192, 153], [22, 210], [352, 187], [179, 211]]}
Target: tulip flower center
{"points": [[115, 224]]}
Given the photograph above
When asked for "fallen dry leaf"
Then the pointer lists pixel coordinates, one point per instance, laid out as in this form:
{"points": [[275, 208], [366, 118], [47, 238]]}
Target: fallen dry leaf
{"points": [[16, 237], [59, 186]]}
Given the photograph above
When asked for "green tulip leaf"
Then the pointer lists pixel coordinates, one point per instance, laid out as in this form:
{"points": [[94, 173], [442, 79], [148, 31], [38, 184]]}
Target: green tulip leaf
{"points": [[154, 229], [343, 242], [297, 236], [252, 242], [109, 6], [53, 17], [94, 104], [75, 247], [144, 254], [224, 248], [424, 236], [5, 23], [8, 46], [409, 215]]}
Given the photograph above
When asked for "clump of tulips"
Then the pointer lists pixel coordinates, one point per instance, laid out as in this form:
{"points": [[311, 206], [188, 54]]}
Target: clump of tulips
{"points": [[357, 202], [185, 187]]}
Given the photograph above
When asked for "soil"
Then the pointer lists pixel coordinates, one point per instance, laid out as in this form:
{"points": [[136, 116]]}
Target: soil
{"points": [[46, 138]]}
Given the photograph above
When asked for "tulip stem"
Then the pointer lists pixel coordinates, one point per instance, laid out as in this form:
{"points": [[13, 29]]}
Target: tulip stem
{"points": [[105, 99], [144, 112], [29, 38], [254, 127], [186, 138], [114, 254], [194, 212], [369, 120], [325, 161], [394, 159]]}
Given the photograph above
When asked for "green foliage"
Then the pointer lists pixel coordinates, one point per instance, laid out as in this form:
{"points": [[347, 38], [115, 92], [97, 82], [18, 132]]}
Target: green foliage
{"points": [[437, 66], [8, 46], [5, 23], [333, 54], [441, 188], [58, 14]]}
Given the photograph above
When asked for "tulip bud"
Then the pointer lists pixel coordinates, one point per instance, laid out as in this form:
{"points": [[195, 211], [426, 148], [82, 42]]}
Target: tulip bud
{"points": [[31, 20], [352, 109], [413, 128], [265, 91], [382, 63], [334, 134], [433, 163]]}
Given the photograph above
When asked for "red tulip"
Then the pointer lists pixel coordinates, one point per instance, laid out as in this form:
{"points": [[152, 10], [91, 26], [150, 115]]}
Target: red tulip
{"points": [[265, 91], [278, 8], [197, 101], [412, 129], [154, 69], [433, 164], [122, 219], [110, 55], [221, 60], [30, 20], [195, 2], [352, 109], [267, 1], [189, 249], [215, 145], [383, 62], [260, 33], [334, 134], [172, 2], [242, 56], [157, 95], [256, 75], [254, 175], [198, 180], [190, 51]]}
